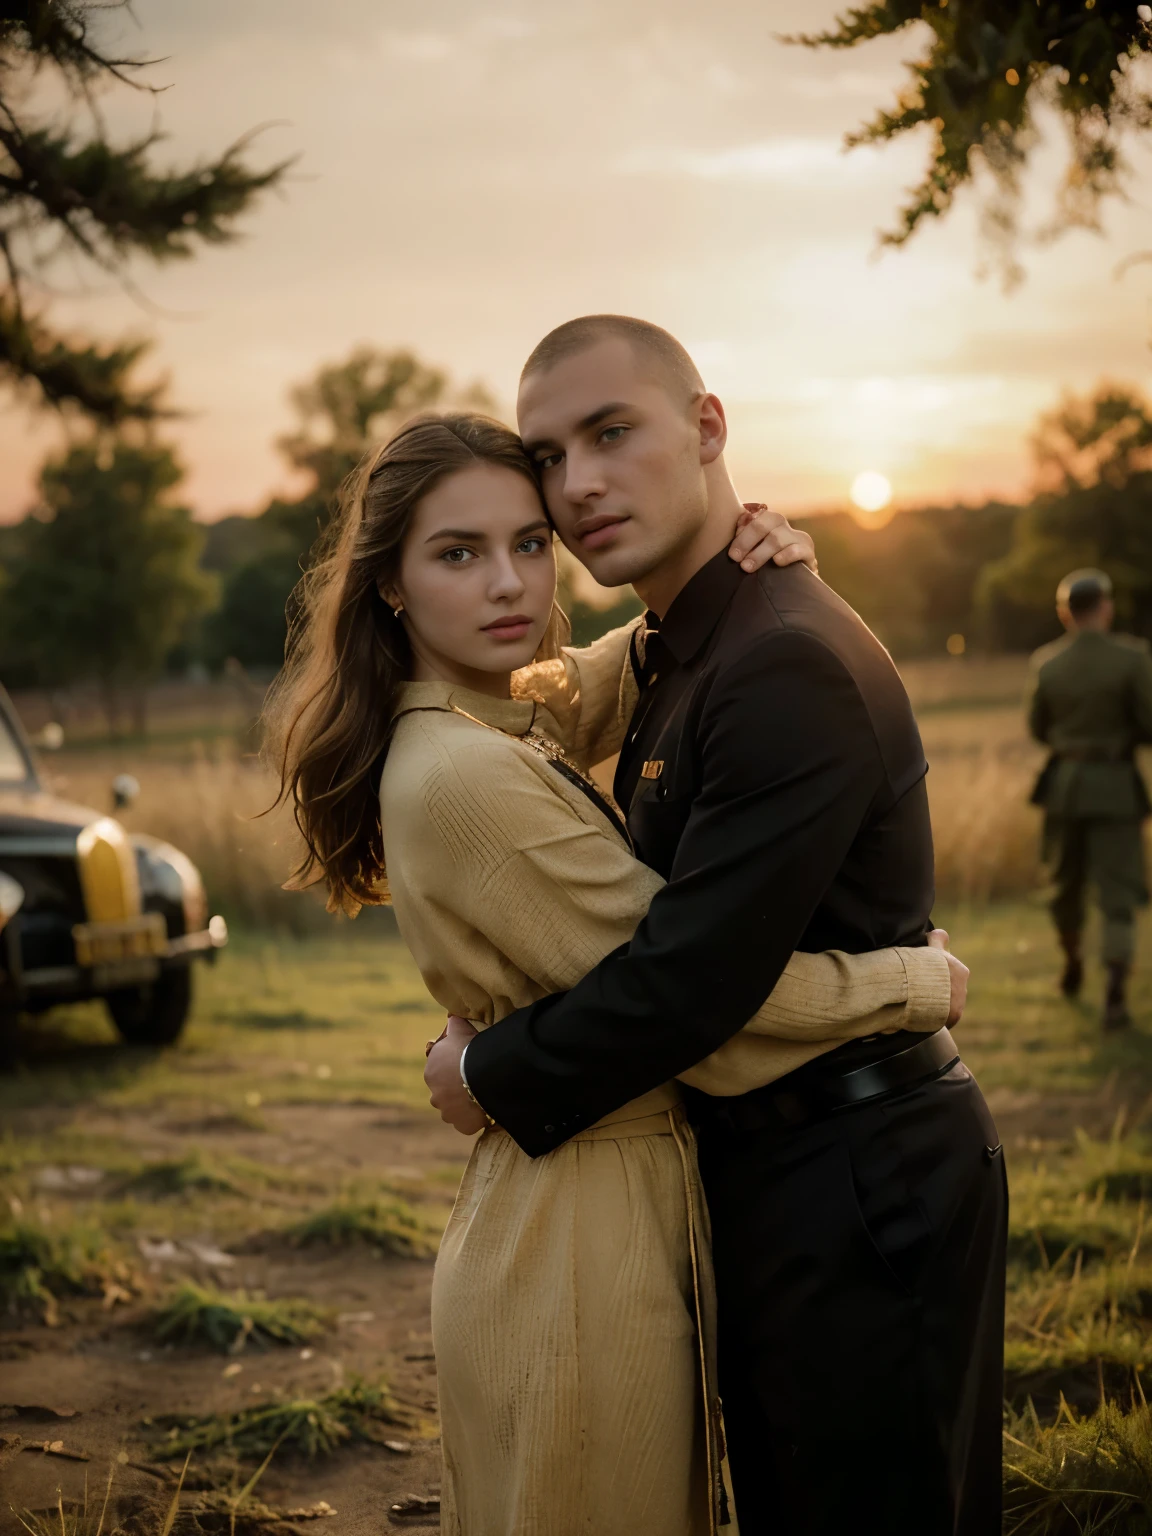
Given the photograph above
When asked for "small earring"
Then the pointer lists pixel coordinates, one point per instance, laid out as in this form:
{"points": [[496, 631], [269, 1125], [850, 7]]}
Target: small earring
{"points": [[398, 610]]}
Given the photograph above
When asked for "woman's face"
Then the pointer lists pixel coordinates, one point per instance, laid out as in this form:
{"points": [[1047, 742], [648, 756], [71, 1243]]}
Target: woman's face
{"points": [[477, 578]]}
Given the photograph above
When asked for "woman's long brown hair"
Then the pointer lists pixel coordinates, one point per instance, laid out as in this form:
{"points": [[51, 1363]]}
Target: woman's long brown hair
{"points": [[329, 717]]}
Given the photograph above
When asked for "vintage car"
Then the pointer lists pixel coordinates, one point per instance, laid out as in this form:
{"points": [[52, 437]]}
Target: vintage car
{"points": [[89, 910]]}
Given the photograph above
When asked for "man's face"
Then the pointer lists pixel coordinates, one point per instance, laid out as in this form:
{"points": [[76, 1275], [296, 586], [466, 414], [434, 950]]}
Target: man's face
{"points": [[619, 459]]}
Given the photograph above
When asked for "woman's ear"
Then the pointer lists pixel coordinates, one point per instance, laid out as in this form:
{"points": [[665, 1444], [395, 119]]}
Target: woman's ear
{"points": [[387, 590]]}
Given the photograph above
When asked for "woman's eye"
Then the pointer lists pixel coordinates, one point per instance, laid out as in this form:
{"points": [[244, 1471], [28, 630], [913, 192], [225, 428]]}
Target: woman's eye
{"points": [[458, 556], [532, 546], [612, 434]]}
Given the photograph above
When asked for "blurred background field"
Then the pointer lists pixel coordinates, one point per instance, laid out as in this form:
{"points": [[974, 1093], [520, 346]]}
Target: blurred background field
{"points": [[203, 787]]}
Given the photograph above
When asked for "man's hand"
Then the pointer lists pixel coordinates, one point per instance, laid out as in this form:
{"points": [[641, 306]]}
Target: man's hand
{"points": [[446, 1086], [762, 535], [957, 971]]}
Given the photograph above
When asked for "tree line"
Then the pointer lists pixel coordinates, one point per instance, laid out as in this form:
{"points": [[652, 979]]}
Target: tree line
{"points": [[110, 579]]}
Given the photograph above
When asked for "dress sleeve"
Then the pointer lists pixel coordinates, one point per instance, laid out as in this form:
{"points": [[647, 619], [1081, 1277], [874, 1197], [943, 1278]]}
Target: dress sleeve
{"points": [[589, 691], [829, 998]]}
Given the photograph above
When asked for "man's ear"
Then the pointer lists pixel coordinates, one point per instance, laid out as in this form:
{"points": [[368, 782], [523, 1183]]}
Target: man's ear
{"points": [[713, 427]]}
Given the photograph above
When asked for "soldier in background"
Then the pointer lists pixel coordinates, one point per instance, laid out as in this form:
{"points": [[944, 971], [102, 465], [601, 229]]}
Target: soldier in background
{"points": [[1091, 704]]}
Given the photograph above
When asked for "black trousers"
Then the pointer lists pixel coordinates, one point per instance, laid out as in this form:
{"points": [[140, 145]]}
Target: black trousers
{"points": [[860, 1268]]}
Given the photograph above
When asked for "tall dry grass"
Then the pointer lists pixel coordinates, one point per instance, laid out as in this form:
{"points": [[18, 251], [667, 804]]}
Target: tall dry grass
{"points": [[207, 799], [209, 803], [986, 834]]}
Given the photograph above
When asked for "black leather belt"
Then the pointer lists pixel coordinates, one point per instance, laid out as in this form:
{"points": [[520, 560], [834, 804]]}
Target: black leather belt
{"points": [[778, 1106]]}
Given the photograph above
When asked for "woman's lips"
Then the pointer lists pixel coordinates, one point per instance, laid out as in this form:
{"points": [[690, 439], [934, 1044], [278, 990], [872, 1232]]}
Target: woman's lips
{"points": [[513, 628]]}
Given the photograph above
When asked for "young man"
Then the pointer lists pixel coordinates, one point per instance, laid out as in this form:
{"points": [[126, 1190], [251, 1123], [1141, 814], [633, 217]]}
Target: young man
{"points": [[774, 775], [1091, 705]]}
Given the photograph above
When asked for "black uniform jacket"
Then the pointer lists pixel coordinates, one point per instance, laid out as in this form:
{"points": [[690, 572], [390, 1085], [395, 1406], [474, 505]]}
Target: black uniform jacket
{"points": [[784, 802]]}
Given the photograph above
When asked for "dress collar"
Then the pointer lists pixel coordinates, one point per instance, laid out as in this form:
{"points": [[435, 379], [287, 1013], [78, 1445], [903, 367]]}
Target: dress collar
{"points": [[516, 716], [698, 606]]}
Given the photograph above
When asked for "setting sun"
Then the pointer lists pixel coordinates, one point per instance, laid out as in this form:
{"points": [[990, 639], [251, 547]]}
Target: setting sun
{"points": [[871, 491]]}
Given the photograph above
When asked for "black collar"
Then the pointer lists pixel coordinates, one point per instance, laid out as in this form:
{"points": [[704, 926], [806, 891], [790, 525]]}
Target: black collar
{"points": [[697, 607]]}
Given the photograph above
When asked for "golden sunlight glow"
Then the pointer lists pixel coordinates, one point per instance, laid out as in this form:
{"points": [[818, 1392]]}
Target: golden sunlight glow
{"points": [[871, 491]]}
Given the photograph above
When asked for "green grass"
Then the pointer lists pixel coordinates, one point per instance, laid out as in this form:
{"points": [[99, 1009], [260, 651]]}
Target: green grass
{"points": [[392, 1226], [191, 1175], [338, 1017], [306, 1427], [1081, 1476], [197, 1174], [1019, 1034], [230, 1320], [42, 1266]]}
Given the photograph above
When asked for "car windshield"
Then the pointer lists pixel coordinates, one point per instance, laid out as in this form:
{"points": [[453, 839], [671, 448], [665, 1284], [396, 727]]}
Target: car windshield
{"points": [[13, 768]]}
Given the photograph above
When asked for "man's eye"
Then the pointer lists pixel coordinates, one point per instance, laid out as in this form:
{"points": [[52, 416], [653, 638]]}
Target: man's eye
{"points": [[532, 546], [548, 460], [457, 556], [612, 434]]}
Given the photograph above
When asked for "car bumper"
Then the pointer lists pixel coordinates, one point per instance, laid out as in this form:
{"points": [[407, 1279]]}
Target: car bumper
{"points": [[79, 981]]}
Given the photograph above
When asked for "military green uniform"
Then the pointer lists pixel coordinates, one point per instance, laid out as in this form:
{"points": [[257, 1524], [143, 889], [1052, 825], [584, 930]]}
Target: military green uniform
{"points": [[1091, 704]]}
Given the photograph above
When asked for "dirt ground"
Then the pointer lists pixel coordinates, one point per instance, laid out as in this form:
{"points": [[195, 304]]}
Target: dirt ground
{"points": [[90, 1384], [297, 1083]]}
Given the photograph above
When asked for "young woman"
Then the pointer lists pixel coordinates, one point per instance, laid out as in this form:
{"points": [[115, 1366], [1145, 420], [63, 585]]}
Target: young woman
{"points": [[435, 738]]}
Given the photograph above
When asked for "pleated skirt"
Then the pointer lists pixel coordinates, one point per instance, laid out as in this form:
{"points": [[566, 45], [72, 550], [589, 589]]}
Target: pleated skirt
{"points": [[572, 1317]]}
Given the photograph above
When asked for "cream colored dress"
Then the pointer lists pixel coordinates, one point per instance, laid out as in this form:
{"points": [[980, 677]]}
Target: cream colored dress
{"points": [[571, 1304]]}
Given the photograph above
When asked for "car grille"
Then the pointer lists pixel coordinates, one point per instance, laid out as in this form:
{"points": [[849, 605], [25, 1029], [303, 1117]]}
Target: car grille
{"points": [[52, 904]]}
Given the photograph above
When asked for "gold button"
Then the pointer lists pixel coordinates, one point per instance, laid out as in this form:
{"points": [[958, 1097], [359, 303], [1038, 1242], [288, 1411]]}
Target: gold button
{"points": [[653, 769]]}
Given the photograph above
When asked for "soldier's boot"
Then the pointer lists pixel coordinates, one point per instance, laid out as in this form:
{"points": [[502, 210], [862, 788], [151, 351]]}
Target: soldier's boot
{"points": [[1072, 978], [1116, 1014]]}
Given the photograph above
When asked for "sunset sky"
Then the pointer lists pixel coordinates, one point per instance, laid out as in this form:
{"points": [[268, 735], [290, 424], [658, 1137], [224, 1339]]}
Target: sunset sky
{"points": [[470, 176]]}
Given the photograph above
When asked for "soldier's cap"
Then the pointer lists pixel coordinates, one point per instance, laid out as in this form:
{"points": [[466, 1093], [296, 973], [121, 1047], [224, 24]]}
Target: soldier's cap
{"points": [[1081, 590]]}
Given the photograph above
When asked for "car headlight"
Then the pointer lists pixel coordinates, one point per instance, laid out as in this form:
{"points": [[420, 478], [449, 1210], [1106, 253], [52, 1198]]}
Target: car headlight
{"points": [[171, 875], [11, 898]]}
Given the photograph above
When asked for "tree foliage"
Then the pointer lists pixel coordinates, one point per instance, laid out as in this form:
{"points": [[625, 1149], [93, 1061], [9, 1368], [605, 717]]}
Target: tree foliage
{"points": [[914, 580], [1093, 507], [104, 579], [357, 402], [68, 191], [985, 67]]}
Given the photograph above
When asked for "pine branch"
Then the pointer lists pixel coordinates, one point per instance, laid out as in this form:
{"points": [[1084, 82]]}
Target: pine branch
{"points": [[57, 32], [93, 379], [984, 64], [108, 200], [63, 190]]}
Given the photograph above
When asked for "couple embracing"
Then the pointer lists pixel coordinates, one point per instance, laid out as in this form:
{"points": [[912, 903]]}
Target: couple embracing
{"points": [[727, 1149]]}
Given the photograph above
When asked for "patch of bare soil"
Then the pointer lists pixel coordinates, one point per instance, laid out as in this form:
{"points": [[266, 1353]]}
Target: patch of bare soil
{"points": [[1028, 1120]]}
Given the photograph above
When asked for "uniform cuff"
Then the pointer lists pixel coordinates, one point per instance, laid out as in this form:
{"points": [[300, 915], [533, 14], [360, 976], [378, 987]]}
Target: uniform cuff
{"points": [[929, 984]]}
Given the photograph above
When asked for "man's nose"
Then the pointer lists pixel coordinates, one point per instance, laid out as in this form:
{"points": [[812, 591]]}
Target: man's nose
{"points": [[583, 480]]}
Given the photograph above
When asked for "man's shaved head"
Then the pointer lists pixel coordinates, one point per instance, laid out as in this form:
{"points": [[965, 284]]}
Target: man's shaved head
{"points": [[652, 346]]}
